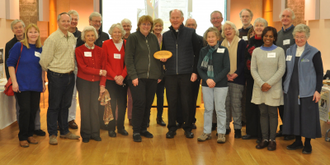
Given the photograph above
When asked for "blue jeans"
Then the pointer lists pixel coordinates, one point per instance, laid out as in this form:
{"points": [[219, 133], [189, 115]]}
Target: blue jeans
{"points": [[60, 87]]}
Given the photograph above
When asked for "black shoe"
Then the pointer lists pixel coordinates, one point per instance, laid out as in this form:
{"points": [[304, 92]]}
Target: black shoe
{"points": [[307, 149], [214, 126], [193, 126], [137, 137], [228, 131], [39, 132], [247, 136], [85, 140], [97, 138], [295, 145], [289, 137], [112, 133], [238, 133], [179, 125], [170, 134], [146, 134], [123, 132], [189, 134], [160, 122]]}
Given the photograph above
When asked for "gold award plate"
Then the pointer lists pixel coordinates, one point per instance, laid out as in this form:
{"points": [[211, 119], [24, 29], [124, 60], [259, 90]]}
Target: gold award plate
{"points": [[163, 54]]}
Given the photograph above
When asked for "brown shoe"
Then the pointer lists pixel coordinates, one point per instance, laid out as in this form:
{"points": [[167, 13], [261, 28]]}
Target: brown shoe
{"points": [[262, 144], [73, 124], [272, 145], [24, 143], [32, 140]]}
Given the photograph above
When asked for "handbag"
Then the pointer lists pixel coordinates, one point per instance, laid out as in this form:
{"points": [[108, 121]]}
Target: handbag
{"points": [[9, 86]]}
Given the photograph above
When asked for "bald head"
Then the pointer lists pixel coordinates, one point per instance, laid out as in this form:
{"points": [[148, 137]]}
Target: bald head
{"points": [[191, 23]]}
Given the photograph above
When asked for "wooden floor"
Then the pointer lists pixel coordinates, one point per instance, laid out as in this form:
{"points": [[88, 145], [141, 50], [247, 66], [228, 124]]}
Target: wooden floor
{"points": [[158, 150]]}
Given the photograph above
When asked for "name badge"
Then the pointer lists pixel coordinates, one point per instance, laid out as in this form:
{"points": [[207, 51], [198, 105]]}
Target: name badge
{"points": [[221, 50], [288, 57], [305, 60], [74, 47], [117, 56], [286, 42], [88, 54], [245, 38], [271, 55], [37, 54]]}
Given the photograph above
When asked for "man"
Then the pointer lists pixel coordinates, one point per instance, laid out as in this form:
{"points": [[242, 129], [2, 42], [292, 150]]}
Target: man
{"points": [[285, 40], [57, 58], [181, 71], [246, 16], [216, 19], [17, 26], [95, 20], [72, 110], [191, 23]]}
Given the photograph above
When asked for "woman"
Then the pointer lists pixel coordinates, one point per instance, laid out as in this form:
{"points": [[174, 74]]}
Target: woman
{"points": [[91, 62], [127, 25], [267, 69], [27, 82], [236, 48], [143, 73], [157, 30], [252, 113], [251, 33], [303, 81], [214, 83], [114, 50]]}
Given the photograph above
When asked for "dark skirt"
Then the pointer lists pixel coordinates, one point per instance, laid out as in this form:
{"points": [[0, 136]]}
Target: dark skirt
{"points": [[300, 120]]}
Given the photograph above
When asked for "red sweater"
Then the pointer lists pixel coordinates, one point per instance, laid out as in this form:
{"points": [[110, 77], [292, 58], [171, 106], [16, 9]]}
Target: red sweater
{"points": [[115, 59], [90, 62]]}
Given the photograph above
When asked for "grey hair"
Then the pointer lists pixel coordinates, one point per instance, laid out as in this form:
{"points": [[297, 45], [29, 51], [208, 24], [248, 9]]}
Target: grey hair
{"points": [[293, 16], [260, 20], [74, 12], [301, 28], [192, 19], [211, 29], [215, 11], [88, 29], [125, 20], [59, 16], [232, 25], [251, 14], [15, 22], [95, 14], [119, 26], [178, 10]]}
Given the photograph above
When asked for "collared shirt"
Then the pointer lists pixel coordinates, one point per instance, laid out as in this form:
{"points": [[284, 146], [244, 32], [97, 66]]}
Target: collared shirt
{"points": [[87, 46], [288, 28], [58, 52]]}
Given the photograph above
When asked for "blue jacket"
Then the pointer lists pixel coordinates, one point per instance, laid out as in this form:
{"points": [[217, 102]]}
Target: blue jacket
{"points": [[306, 70], [185, 49]]}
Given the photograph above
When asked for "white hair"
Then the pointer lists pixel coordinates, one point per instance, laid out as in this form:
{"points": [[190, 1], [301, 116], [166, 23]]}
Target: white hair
{"points": [[232, 25], [88, 29], [119, 26], [74, 12], [293, 16], [15, 22]]}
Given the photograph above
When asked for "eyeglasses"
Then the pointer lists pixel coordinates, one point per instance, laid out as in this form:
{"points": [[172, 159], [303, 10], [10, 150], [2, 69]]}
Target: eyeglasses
{"points": [[299, 37], [228, 29]]}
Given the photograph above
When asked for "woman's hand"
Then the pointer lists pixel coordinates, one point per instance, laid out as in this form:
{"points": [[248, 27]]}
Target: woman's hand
{"points": [[135, 82], [15, 87], [102, 89], [316, 96], [163, 59], [119, 80], [210, 83], [265, 87], [229, 77], [103, 72]]}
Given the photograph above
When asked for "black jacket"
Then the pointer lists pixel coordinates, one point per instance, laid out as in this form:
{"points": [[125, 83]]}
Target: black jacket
{"points": [[9, 45], [185, 47]]}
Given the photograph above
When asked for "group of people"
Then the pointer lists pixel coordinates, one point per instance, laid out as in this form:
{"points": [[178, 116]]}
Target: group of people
{"points": [[247, 74]]}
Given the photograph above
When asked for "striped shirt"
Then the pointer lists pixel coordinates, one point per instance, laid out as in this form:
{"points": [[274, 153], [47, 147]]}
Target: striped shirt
{"points": [[58, 52]]}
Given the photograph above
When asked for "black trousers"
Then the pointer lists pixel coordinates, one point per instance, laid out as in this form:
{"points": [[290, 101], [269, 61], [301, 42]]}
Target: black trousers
{"points": [[252, 112], [179, 86], [88, 100], [28, 102], [118, 94], [143, 95], [160, 98]]}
